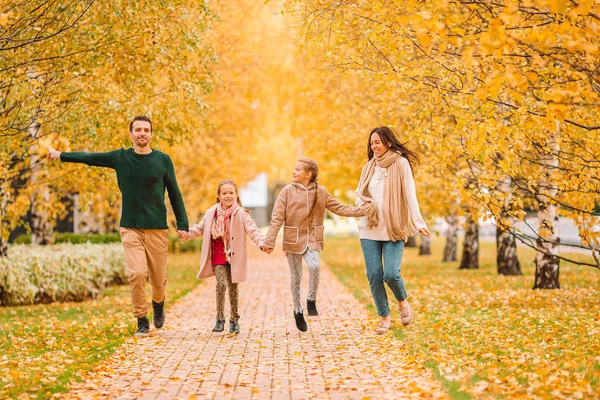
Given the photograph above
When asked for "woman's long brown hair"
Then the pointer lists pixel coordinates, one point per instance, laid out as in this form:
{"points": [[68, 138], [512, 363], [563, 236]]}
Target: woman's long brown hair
{"points": [[388, 137]]}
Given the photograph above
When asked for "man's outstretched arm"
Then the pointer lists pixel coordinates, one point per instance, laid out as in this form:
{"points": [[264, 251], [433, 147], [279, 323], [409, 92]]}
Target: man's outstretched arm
{"points": [[108, 159]]}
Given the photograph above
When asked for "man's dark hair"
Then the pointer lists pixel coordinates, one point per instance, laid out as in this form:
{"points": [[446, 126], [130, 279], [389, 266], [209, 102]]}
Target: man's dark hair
{"points": [[140, 118]]}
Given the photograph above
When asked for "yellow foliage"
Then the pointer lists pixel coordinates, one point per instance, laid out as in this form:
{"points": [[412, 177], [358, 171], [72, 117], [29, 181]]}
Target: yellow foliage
{"points": [[522, 65]]}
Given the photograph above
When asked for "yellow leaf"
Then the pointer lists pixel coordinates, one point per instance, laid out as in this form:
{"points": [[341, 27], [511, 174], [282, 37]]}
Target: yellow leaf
{"points": [[558, 6], [532, 76], [557, 110], [424, 37]]}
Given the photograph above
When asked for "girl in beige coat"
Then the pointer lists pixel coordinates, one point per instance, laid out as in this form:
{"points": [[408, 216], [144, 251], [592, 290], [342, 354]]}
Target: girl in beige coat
{"points": [[300, 208], [225, 254]]}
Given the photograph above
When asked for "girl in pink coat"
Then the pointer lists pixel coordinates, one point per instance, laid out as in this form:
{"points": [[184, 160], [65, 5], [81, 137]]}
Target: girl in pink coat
{"points": [[224, 250]]}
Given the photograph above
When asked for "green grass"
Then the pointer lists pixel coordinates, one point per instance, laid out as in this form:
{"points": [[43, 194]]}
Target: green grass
{"points": [[44, 347], [488, 335]]}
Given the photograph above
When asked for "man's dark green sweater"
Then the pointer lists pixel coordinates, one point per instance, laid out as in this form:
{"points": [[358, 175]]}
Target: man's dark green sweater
{"points": [[142, 180]]}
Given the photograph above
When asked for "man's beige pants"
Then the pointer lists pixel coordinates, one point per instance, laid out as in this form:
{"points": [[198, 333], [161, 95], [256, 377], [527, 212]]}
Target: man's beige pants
{"points": [[146, 257]]}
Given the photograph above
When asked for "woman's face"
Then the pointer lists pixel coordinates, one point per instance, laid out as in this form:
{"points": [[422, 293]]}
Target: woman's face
{"points": [[227, 195], [300, 175], [377, 145]]}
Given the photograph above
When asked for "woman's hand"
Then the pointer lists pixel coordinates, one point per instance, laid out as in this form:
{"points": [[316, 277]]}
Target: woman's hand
{"points": [[425, 232]]}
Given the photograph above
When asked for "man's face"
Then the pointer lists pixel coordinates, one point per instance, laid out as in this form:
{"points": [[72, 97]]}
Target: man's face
{"points": [[141, 132]]}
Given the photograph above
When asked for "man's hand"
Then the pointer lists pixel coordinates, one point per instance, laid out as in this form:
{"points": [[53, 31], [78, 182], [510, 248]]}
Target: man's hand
{"points": [[266, 249], [183, 235], [54, 154]]}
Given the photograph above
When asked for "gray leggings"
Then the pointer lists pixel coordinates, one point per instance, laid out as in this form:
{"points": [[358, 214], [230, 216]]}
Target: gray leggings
{"points": [[314, 268]]}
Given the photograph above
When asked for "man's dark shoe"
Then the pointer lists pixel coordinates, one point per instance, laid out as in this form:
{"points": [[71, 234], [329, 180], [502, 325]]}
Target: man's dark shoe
{"points": [[219, 326], [311, 307], [159, 313], [143, 326], [234, 327], [300, 322]]}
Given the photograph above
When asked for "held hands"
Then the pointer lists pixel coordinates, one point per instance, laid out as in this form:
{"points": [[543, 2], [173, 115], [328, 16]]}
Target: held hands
{"points": [[183, 235], [266, 249]]}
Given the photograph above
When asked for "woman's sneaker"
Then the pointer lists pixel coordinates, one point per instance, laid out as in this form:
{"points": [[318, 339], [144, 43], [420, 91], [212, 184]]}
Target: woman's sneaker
{"points": [[143, 326], [383, 328], [300, 321], [406, 314]]}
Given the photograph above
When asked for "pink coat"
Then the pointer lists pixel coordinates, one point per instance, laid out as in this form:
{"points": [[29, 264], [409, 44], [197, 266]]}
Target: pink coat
{"points": [[241, 223]]}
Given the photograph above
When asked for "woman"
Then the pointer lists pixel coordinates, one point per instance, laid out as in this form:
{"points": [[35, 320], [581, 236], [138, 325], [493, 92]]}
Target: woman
{"points": [[387, 189]]}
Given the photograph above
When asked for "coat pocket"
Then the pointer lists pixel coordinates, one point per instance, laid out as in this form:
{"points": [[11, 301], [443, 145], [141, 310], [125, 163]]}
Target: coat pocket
{"points": [[290, 234], [319, 233]]}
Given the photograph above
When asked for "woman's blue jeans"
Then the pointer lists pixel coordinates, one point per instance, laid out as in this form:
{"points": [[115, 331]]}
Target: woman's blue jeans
{"points": [[383, 259]]}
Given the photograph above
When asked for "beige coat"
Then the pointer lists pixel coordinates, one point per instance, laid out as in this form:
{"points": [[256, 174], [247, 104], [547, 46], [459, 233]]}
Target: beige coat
{"points": [[291, 210], [241, 224]]}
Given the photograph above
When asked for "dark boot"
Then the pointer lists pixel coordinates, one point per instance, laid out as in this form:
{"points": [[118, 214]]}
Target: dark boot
{"points": [[300, 322], [311, 307], [159, 313], [219, 326], [143, 326], [234, 327]]}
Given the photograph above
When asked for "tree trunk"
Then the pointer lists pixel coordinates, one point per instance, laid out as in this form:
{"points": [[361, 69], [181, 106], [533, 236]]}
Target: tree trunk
{"points": [[41, 229], [425, 248], [470, 256], [507, 261], [4, 228], [411, 242], [76, 213], [547, 262], [3, 247], [450, 250], [4, 223], [506, 253]]}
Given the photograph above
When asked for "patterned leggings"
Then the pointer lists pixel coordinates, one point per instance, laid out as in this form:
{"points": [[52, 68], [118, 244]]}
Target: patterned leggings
{"points": [[314, 268], [223, 274]]}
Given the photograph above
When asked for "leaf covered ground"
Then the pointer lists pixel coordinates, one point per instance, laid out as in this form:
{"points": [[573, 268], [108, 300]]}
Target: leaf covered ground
{"points": [[486, 335], [44, 347]]}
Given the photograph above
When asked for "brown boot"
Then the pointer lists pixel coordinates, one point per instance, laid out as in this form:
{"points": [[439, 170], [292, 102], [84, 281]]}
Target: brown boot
{"points": [[406, 314]]}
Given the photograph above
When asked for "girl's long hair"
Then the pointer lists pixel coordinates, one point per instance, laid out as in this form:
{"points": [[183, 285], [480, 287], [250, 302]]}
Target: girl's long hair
{"points": [[312, 167], [388, 137], [232, 183]]}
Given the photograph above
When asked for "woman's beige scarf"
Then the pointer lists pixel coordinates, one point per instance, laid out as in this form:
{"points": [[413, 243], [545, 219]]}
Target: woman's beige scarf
{"points": [[396, 214]]}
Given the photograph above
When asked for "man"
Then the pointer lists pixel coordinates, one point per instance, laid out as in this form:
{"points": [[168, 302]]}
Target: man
{"points": [[143, 174]]}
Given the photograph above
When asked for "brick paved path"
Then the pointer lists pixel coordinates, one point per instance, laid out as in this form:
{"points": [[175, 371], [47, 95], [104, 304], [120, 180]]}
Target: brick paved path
{"points": [[338, 358]]}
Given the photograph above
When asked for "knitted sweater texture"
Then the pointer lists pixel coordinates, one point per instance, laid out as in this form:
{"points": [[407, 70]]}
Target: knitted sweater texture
{"points": [[142, 180]]}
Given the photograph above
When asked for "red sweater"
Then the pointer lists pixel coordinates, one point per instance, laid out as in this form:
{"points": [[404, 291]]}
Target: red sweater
{"points": [[217, 248]]}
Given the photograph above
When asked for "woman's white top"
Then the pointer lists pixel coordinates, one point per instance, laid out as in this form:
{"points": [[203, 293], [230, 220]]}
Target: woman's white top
{"points": [[376, 188]]}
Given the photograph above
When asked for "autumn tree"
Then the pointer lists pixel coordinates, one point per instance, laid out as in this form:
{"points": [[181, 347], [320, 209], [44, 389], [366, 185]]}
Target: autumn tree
{"points": [[80, 71], [536, 60]]}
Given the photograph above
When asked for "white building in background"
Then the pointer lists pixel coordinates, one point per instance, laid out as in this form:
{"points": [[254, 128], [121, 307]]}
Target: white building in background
{"points": [[255, 197]]}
